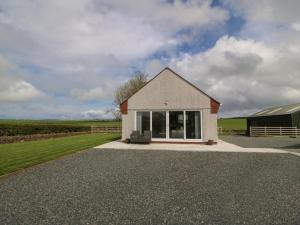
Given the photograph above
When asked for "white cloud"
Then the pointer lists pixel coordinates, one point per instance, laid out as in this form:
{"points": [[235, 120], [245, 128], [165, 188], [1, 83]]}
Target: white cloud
{"points": [[97, 93], [85, 48], [154, 66], [128, 30], [18, 91], [96, 114], [78, 47], [296, 26], [244, 74], [269, 11], [12, 88]]}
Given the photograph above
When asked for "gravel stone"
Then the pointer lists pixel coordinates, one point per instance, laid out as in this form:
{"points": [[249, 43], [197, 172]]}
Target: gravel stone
{"points": [[282, 143], [155, 187]]}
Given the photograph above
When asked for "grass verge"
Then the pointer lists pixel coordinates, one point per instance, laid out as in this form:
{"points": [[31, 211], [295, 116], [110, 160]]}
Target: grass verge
{"points": [[233, 126], [232, 123], [17, 156]]}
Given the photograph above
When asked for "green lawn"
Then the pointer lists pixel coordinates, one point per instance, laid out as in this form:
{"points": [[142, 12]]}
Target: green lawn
{"points": [[60, 122], [233, 124], [21, 155]]}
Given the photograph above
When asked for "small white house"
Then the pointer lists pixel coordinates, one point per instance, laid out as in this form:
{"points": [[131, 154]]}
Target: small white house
{"points": [[173, 109]]}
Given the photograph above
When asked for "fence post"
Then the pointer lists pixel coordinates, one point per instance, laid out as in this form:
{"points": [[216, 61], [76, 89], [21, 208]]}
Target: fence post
{"points": [[280, 131], [265, 131]]}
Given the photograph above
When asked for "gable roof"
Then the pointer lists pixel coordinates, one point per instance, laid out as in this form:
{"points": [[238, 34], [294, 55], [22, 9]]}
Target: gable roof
{"points": [[278, 110], [167, 68]]}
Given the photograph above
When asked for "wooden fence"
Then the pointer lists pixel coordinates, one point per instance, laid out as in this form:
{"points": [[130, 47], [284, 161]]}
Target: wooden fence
{"points": [[106, 129], [220, 130], [274, 131]]}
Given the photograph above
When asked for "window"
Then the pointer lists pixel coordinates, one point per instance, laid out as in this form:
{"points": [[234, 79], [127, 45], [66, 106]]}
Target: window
{"points": [[176, 124], [193, 124], [142, 121], [168, 125], [159, 124]]}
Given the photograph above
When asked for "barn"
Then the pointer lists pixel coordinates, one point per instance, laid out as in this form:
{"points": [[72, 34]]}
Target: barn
{"points": [[279, 116]]}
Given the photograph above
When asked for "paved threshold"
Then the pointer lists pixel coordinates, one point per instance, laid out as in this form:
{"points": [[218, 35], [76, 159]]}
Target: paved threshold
{"points": [[222, 146]]}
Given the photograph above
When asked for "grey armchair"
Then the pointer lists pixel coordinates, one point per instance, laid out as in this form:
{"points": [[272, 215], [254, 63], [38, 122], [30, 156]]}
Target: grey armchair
{"points": [[137, 137]]}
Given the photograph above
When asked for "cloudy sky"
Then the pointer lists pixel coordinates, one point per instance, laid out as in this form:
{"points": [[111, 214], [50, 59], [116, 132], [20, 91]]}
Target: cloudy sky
{"points": [[64, 58]]}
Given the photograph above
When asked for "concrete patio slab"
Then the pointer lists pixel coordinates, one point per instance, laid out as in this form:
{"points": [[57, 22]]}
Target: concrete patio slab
{"points": [[222, 146]]}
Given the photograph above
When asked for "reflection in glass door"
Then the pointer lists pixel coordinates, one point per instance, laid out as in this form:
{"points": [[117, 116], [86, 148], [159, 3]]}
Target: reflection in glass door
{"points": [[159, 124], [179, 125], [176, 124], [142, 121], [193, 124]]}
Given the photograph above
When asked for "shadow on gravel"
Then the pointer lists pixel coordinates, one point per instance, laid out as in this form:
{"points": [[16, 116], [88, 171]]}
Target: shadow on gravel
{"points": [[297, 146], [263, 142]]}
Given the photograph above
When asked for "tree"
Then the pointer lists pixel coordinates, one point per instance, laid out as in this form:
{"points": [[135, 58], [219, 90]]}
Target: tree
{"points": [[130, 87], [126, 90]]}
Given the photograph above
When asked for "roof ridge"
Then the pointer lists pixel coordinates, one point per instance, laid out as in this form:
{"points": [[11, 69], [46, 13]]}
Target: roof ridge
{"points": [[168, 68], [277, 110], [282, 105]]}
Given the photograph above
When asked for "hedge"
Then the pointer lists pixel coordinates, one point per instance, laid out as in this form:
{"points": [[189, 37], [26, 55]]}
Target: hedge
{"points": [[13, 130]]}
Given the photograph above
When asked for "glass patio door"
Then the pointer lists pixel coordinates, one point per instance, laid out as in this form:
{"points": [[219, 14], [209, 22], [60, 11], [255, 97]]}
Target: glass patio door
{"points": [[142, 121], [193, 125], [176, 124], [171, 125], [159, 124]]}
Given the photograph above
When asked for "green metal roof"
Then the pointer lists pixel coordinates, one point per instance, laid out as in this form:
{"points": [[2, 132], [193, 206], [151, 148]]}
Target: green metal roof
{"points": [[278, 110]]}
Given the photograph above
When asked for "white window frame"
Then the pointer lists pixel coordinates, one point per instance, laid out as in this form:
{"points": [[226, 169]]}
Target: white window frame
{"points": [[167, 127], [168, 139], [201, 127]]}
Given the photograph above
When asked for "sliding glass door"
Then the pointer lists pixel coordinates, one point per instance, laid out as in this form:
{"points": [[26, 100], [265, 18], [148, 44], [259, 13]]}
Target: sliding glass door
{"points": [[193, 125], [142, 121], [176, 124], [171, 125], [159, 124]]}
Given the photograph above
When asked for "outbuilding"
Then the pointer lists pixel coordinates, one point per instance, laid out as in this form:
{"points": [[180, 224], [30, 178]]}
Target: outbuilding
{"points": [[172, 109], [278, 116]]}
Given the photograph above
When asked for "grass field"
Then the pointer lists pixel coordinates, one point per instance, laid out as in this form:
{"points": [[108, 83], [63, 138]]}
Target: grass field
{"points": [[233, 124], [21, 155], [60, 122], [17, 156], [239, 123]]}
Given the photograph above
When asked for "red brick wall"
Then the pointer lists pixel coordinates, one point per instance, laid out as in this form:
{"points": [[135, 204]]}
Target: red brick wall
{"points": [[214, 106], [124, 107]]}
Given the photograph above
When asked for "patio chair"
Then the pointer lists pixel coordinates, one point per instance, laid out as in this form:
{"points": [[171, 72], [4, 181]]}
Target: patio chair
{"points": [[137, 137]]}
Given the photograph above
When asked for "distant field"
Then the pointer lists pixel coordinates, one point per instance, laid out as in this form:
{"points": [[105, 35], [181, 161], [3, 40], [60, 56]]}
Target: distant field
{"points": [[233, 124], [60, 122], [21, 155], [239, 123], [27, 127], [31, 127]]}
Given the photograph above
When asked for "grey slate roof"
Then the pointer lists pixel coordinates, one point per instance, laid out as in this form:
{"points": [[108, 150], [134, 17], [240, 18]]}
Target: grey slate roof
{"points": [[278, 110]]}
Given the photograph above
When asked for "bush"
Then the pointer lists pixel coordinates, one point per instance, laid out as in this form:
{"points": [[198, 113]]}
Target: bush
{"points": [[13, 130]]}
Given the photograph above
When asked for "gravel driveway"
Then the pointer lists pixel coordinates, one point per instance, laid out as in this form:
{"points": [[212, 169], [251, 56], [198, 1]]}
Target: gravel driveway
{"points": [[283, 143], [155, 187]]}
